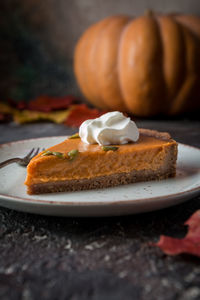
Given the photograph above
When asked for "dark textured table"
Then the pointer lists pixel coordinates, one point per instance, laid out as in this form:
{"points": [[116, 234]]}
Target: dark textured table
{"points": [[96, 258]]}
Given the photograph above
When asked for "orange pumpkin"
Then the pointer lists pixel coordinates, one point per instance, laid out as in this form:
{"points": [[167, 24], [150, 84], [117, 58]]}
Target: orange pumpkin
{"points": [[147, 66]]}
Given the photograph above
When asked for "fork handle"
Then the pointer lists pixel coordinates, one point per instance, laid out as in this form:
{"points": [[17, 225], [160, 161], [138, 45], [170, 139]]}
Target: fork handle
{"points": [[9, 161]]}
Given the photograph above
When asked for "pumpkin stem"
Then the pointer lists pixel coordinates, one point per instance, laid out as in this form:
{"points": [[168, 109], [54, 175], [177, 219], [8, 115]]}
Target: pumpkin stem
{"points": [[149, 13]]}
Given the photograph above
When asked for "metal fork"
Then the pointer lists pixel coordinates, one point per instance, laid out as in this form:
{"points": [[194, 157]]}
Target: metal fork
{"points": [[21, 161]]}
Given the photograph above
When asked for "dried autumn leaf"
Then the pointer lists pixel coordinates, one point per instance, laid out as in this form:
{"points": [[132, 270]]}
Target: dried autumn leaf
{"points": [[80, 113], [5, 108], [6, 112], [47, 104], [17, 104], [189, 244], [27, 116], [21, 105]]}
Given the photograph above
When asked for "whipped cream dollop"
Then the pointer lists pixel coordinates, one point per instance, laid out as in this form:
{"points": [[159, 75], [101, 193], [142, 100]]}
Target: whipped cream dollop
{"points": [[110, 129]]}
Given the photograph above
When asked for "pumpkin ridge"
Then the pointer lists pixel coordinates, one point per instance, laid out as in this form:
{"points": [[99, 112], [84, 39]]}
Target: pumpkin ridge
{"points": [[91, 90], [140, 74], [163, 79], [191, 72], [185, 85], [95, 88], [109, 87], [173, 61], [100, 103], [191, 22], [79, 69], [118, 60]]}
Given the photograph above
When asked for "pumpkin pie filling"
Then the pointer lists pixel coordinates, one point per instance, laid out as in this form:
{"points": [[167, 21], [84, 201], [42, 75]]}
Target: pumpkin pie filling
{"points": [[153, 155]]}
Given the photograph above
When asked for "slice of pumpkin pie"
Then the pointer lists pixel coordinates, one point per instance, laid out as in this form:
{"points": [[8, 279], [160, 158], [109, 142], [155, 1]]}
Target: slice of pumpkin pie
{"points": [[108, 151]]}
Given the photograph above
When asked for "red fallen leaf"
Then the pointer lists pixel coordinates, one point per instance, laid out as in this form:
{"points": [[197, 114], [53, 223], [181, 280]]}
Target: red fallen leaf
{"points": [[189, 244], [21, 105], [47, 104], [80, 113]]}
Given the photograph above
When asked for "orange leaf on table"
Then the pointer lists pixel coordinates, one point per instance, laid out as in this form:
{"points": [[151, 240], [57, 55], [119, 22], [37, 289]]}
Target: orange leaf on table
{"points": [[190, 244], [20, 105], [47, 104], [27, 116], [6, 108], [6, 112], [80, 113]]}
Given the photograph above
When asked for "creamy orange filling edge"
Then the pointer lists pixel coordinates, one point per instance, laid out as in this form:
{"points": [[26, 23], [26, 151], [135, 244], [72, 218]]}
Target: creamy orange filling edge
{"points": [[51, 169]]}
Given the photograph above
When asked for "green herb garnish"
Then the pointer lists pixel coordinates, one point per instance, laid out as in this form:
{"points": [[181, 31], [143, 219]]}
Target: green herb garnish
{"points": [[74, 136], [58, 154], [47, 153], [72, 154], [109, 148]]}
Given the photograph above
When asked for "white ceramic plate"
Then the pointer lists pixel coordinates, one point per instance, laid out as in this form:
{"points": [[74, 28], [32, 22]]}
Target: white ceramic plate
{"points": [[127, 199]]}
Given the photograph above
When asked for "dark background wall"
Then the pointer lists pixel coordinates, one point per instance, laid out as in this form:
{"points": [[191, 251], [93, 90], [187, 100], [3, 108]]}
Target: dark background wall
{"points": [[37, 38]]}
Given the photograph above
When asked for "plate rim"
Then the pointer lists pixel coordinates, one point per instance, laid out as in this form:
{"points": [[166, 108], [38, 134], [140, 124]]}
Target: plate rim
{"points": [[98, 203]]}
